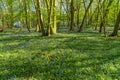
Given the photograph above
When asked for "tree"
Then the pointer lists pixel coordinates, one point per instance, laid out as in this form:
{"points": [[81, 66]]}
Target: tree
{"points": [[72, 16], [54, 27], [37, 6], [26, 14], [10, 14], [39, 15], [116, 27], [103, 19], [44, 15], [85, 15], [51, 9]]}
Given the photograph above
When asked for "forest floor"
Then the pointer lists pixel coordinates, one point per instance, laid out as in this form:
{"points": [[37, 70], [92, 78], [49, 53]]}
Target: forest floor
{"points": [[65, 56]]}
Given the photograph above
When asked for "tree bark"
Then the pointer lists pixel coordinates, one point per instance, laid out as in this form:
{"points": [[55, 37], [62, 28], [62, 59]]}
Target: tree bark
{"points": [[26, 15], [102, 24], [72, 16], [53, 28], [115, 31], [86, 11]]}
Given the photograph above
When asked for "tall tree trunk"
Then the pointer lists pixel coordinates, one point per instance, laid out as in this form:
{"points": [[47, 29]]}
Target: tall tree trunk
{"points": [[72, 16], [86, 11], [40, 18], [53, 28], [26, 15], [98, 14], [68, 12], [21, 10], [51, 8], [10, 2], [78, 15], [38, 25], [102, 24], [29, 15], [115, 31]]}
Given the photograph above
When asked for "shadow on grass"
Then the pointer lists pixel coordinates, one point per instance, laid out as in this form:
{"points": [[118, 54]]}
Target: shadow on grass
{"points": [[91, 60], [61, 66]]}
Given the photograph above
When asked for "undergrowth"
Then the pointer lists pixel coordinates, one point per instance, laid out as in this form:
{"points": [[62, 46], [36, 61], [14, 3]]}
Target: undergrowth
{"points": [[68, 56]]}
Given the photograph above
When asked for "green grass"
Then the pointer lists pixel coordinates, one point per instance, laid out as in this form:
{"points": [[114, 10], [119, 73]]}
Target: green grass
{"points": [[68, 56]]}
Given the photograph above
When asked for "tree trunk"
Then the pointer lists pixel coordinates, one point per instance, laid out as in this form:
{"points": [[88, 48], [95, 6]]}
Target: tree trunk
{"points": [[10, 2], [53, 28], [51, 9], [26, 15], [72, 16], [86, 11], [37, 6], [40, 18], [102, 24], [115, 31]]}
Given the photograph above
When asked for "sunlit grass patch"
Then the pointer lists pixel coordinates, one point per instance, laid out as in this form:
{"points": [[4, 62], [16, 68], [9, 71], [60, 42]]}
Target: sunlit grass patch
{"points": [[68, 56]]}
